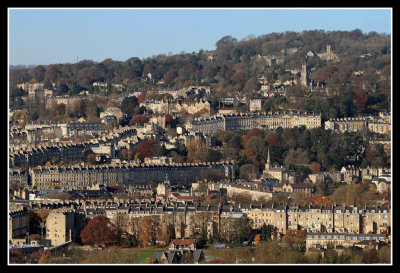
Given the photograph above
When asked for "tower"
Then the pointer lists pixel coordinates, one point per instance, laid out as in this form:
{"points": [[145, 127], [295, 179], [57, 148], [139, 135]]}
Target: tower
{"points": [[328, 48], [304, 73]]}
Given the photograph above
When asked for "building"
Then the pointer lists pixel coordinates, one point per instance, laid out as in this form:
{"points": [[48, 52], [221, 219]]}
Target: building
{"points": [[27, 86], [112, 112], [191, 219], [305, 73], [256, 105], [380, 124], [248, 121], [18, 223], [325, 240], [64, 225], [80, 177], [329, 55], [182, 244], [280, 173]]}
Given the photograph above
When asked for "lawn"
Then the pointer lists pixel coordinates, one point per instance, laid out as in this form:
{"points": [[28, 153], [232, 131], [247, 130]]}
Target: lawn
{"points": [[142, 253]]}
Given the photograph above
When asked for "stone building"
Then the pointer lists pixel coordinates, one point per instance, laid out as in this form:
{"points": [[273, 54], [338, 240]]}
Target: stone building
{"points": [[63, 225], [256, 105], [305, 73], [329, 55], [81, 177], [18, 177], [112, 111], [39, 155], [162, 107], [18, 223], [346, 124], [191, 219], [28, 86], [248, 121], [280, 173], [380, 124], [326, 239]]}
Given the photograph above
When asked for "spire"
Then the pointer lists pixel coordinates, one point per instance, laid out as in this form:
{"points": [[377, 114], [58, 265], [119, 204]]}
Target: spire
{"points": [[268, 165]]}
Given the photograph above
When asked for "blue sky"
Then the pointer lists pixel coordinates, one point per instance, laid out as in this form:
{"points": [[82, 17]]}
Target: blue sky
{"points": [[48, 36]]}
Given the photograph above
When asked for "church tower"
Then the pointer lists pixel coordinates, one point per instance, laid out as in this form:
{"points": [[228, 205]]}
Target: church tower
{"points": [[304, 73]]}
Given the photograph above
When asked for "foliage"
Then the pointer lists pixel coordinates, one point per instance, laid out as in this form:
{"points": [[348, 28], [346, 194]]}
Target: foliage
{"points": [[138, 120], [98, 231], [242, 229]]}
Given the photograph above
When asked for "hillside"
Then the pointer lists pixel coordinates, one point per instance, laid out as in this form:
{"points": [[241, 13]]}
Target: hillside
{"points": [[351, 69]]}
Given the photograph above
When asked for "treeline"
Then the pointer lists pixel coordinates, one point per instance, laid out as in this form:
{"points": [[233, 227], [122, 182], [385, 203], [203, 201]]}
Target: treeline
{"points": [[295, 148]]}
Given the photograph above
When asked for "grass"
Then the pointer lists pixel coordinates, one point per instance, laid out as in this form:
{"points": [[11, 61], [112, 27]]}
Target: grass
{"points": [[110, 255], [142, 253]]}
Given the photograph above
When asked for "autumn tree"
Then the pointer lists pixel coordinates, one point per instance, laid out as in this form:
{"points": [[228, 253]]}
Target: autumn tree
{"points": [[195, 149], [251, 133], [146, 232], [145, 148], [170, 76], [148, 68], [254, 148], [315, 167], [257, 239], [138, 120], [99, 230]]}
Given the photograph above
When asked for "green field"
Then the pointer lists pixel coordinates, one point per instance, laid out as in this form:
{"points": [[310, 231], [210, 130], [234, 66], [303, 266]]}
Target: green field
{"points": [[142, 253]]}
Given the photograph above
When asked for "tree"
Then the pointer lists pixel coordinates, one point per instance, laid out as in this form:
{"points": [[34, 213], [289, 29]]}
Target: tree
{"points": [[257, 239], [234, 141], [249, 172], [315, 167], [266, 231], [256, 145], [224, 41], [145, 231], [63, 88], [129, 105], [195, 149], [138, 119], [89, 156], [145, 148], [251, 133], [148, 68], [99, 230], [346, 105], [38, 73], [242, 229], [170, 76]]}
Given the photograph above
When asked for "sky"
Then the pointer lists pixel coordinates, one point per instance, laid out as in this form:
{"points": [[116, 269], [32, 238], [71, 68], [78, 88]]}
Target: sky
{"points": [[49, 36]]}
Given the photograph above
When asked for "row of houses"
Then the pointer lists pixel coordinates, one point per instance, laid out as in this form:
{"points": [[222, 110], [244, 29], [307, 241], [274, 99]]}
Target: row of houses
{"points": [[380, 124], [161, 107], [39, 155], [133, 173], [248, 121], [189, 219]]}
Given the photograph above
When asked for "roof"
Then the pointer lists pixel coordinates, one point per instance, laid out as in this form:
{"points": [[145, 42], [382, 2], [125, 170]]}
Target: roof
{"points": [[198, 255], [183, 241]]}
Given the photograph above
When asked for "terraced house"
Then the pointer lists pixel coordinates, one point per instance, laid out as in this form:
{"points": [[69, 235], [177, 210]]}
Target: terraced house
{"points": [[81, 177], [192, 219], [248, 121]]}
